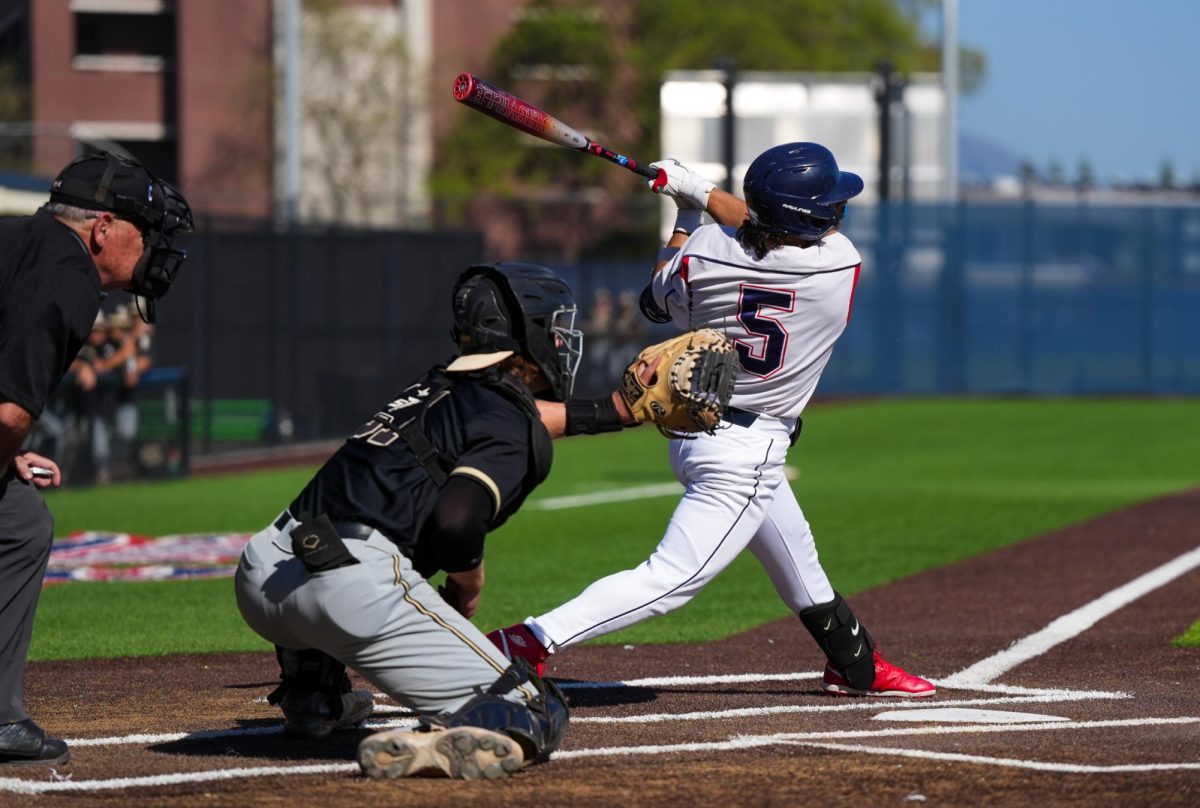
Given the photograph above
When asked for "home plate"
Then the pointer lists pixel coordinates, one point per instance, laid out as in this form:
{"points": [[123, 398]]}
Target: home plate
{"points": [[966, 715]]}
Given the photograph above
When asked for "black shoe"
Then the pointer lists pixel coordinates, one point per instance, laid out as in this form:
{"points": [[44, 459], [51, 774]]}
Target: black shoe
{"points": [[25, 743]]}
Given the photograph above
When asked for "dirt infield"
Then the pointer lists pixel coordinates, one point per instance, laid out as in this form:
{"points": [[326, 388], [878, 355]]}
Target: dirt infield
{"points": [[741, 721]]}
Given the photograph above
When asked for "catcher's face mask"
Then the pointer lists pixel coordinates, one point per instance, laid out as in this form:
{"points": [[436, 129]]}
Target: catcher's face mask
{"points": [[567, 345]]}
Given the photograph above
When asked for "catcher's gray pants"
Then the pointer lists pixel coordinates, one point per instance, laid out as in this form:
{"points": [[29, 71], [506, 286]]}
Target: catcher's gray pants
{"points": [[26, 533], [378, 617]]}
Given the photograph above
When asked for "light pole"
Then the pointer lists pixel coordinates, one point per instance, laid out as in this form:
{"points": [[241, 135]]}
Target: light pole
{"points": [[950, 90]]}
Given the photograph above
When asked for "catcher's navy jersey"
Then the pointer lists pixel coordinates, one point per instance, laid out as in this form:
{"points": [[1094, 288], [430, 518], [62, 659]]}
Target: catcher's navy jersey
{"points": [[487, 430]]}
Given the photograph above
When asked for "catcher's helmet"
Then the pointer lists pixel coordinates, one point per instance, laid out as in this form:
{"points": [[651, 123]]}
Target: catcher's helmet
{"points": [[506, 308], [794, 189]]}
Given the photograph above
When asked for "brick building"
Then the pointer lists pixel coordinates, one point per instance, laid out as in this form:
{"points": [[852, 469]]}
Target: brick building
{"points": [[191, 88]]}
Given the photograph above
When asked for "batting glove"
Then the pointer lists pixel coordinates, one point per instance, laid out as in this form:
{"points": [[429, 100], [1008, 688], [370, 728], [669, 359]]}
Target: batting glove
{"points": [[686, 187]]}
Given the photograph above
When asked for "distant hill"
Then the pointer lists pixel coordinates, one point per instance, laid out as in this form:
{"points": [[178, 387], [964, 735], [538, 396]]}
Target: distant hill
{"points": [[981, 161]]}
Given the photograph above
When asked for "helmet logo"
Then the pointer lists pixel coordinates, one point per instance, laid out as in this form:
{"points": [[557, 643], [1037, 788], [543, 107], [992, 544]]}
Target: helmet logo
{"points": [[796, 207]]}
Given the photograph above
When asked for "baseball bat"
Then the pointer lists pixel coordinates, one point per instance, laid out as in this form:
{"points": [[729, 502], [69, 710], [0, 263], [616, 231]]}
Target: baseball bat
{"points": [[507, 108]]}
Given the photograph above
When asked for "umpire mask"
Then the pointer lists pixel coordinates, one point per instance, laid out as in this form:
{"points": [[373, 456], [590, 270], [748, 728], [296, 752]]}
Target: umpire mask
{"points": [[105, 181]]}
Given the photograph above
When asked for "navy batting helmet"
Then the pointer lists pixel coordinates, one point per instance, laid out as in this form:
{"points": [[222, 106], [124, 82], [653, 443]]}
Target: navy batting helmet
{"points": [[794, 189], [506, 308]]}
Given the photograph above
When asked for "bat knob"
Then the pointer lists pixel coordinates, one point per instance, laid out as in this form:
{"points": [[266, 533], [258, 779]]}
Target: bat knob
{"points": [[659, 182], [464, 85]]}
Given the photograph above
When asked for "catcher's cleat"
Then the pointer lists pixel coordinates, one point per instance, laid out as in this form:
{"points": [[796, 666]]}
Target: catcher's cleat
{"points": [[461, 753], [518, 642], [889, 681], [309, 714]]}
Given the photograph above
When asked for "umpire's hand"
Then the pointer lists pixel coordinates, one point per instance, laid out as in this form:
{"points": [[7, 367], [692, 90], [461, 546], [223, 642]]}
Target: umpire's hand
{"points": [[37, 469]]}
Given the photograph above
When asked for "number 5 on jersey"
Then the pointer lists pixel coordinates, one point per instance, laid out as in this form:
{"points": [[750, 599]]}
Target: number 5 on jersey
{"points": [[764, 356]]}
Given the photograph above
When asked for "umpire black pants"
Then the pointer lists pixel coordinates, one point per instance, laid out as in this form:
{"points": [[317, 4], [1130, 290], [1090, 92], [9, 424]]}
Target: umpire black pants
{"points": [[26, 532]]}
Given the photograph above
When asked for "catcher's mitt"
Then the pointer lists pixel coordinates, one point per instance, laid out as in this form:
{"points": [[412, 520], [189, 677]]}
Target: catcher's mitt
{"points": [[690, 390]]}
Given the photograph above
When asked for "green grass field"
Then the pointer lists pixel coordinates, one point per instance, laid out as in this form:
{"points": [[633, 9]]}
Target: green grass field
{"points": [[892, 487], [1189, 638]]}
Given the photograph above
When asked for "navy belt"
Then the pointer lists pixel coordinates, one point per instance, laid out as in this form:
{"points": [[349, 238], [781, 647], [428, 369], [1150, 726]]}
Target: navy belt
{"points": [[739, 417], [347, 530]]}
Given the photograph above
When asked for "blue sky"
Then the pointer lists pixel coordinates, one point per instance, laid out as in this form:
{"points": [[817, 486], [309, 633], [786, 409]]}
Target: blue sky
{"points": [[1117, 83]]}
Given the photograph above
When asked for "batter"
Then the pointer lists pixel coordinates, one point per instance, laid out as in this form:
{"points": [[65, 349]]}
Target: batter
{"points": [[776, 276]]}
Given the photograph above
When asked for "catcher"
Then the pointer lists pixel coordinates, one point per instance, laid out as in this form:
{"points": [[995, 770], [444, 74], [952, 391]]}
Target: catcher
{"points": [[773, 273], [339, 578]]}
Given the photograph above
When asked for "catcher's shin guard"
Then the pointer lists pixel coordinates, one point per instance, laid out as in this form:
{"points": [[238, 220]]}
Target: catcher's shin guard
{"points": [[539, 725], [845, 641]]}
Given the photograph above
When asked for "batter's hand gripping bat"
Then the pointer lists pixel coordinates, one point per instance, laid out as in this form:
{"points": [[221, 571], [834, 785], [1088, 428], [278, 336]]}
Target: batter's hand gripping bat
{"points": [[507, 108]]}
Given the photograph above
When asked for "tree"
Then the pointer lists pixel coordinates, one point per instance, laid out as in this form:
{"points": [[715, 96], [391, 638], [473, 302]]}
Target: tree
{"points": [[562, 56], [603, 63], [1055, 175], [1028, 175], [1166, 176], [15, 149], [1085, 178], [353, 80]]}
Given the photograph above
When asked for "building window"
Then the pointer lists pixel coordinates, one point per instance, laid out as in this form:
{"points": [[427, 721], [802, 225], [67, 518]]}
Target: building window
{"points": [[137, 42]]}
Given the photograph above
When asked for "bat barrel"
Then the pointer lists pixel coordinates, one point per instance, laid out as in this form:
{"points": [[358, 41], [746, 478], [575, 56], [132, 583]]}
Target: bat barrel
{"points": [[506, 107]]}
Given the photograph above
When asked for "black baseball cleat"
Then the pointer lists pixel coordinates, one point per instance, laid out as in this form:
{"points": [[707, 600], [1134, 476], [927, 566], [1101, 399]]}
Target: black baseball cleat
{"points": [[24, 743]]}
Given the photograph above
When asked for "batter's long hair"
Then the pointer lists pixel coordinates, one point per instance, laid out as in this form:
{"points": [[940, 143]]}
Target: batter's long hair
{"points": [[760, 242]]}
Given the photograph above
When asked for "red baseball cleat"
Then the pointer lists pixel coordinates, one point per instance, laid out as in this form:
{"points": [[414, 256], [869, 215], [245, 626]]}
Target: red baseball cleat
{"points": [[889, 681], [518, 642]]}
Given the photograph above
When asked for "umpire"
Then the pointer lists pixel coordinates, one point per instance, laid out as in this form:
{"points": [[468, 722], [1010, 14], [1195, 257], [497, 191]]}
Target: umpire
{"points": [[108, 225]]}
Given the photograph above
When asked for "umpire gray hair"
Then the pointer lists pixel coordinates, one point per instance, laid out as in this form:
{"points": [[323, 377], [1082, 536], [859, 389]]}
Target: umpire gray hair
{"points": [[69, 213]]}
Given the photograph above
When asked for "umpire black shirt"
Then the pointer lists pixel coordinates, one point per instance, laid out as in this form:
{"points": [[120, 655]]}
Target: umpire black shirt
{"points": [[49, 295]]}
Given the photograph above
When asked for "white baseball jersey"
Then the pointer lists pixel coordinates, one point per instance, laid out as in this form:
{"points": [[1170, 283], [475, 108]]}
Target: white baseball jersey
{"points": [[782, 313]]}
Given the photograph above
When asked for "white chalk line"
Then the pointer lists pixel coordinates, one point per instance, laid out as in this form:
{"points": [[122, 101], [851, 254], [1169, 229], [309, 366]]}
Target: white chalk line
{"points": [[740, 742], [177, 778], [1012, 695], [750, 741], [1037, 765], [794, 709], [788, 709], [626, 494], [607, 496], [977, 676], [687, 681], [1073, 623]]}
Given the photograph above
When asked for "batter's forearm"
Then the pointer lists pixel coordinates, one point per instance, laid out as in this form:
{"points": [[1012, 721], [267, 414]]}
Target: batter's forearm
{"points": [[725, 208], [668, 251]]}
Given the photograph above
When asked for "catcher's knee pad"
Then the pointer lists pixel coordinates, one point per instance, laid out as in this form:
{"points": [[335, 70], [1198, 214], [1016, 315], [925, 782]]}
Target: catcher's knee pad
{"points": [[310, 670], [539, 725], [846, 642]]}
